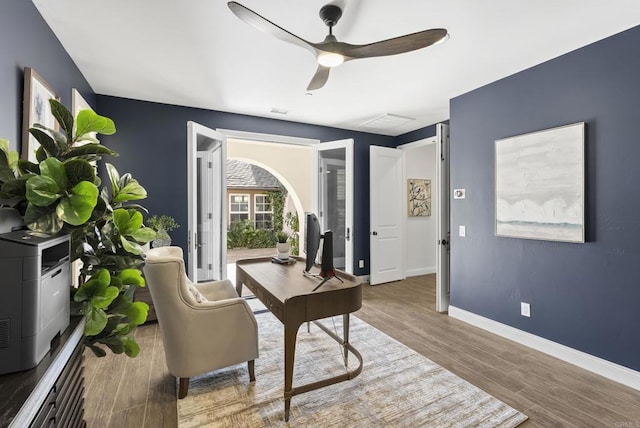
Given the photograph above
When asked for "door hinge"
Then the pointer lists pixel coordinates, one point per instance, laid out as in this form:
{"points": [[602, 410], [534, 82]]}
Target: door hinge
{"points": [[210, 216], [210, 266], [210, 165]]}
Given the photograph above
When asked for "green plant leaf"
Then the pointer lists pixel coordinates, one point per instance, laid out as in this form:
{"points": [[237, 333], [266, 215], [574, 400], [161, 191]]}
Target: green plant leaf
{"points": [[76, 208], [79, 170], [41, 154], [98, 281], [42, 219], [95, 321], [25, 167], [132, 191], [114, 177], [131, 247], [131, 277], [13, 189], [86, 138], [97, 351], [6, 174], [104, 299], [144, 235], [137, 313], [53, 168], [89, 149], [127, 221], [131, 347], [89, 121], [42, 190], [46, 142], [63, 116]]}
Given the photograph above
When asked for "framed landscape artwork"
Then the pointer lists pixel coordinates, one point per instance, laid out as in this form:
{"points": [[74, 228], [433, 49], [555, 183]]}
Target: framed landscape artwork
{"points": [[419, 197], [36, 109], [539, 181]]}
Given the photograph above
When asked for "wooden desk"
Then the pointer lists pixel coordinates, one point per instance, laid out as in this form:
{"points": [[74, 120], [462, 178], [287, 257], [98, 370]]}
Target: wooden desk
{"points": [[288, 295]]}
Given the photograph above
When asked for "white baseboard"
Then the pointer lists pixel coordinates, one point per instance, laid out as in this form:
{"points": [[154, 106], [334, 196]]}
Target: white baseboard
{"points": [[364, 278], [594, 364], [420, 271]]}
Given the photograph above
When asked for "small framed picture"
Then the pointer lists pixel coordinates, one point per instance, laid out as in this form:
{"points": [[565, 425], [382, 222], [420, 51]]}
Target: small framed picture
{"points": [[36, 109], [419, 197]]}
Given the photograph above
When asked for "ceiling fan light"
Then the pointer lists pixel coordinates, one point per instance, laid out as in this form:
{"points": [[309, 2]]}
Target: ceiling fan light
{"points": [[329, 59]]}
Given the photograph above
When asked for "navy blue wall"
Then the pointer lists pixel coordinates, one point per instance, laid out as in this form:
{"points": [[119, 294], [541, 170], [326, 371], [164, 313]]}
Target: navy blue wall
{"points": [[151, 140], [27, 41], [418, 134], [585, 296]]}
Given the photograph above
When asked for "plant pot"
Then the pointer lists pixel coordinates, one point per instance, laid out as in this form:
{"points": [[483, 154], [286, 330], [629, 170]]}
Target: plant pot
{"points": [[284, 250], [162, 239]]}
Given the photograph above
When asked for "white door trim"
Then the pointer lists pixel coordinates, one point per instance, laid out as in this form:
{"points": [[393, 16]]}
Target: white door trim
{"points": [[270, 138]]}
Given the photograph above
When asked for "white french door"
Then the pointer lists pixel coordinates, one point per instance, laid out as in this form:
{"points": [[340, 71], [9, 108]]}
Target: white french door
{"points": [[386, 214], [207, 203], [333, 187], [442, 218]]}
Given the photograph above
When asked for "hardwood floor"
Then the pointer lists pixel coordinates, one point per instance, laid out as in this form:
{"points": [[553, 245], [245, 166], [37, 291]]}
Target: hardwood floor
{"points": [[124, 392]]}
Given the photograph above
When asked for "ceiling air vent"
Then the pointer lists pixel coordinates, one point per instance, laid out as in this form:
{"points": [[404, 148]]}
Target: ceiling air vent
{"points": [[277, 110], [385, 122]]}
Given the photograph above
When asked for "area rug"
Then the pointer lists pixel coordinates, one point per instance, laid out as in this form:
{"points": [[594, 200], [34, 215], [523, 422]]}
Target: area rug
{"points": [[397, 387]]}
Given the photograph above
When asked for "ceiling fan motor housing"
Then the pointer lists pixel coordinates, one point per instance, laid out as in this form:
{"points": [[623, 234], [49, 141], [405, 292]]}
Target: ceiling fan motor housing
{"points": [[330, 14]]}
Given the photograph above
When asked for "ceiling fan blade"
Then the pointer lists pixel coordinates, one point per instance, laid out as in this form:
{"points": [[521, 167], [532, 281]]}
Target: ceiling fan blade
{"points": [[319, 79], [263, 24], [397, 45]]}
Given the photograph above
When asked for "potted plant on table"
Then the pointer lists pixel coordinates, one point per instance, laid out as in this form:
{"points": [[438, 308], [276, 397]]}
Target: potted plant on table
{"points": [[162, 224], [283, 247]]}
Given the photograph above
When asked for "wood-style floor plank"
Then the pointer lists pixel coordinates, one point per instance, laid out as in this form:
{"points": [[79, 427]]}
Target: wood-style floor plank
{"points": [[551, 392]]}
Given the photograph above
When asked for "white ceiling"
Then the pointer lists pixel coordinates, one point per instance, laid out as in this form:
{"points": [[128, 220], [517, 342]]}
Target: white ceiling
{"points": [[197, 53]]}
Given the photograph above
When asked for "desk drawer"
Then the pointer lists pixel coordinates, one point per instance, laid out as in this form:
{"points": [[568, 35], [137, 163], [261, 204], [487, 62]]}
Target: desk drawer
{"points": [[273, 305]]}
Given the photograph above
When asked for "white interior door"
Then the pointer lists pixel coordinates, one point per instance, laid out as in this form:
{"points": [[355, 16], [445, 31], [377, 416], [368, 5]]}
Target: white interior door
{"points": [[333, 187], [442, 213], [387, 214], [207, 200]]}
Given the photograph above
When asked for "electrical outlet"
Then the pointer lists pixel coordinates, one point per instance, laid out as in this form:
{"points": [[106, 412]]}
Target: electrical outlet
{"points": [[525, 309], [361, 263], [462, 231]]}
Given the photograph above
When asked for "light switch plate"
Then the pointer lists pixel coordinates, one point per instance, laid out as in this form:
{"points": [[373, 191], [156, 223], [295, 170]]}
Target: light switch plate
{"points": [[462, 231], [459, 193]]}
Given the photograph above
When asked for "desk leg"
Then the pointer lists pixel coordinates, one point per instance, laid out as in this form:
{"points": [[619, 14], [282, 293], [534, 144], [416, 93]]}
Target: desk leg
{"points": [[345, 336], [290, 334]]}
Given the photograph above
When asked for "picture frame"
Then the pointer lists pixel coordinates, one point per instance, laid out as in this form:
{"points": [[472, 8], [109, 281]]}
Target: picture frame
{"points": [[419, 197], [540, 185], [36, 109]]}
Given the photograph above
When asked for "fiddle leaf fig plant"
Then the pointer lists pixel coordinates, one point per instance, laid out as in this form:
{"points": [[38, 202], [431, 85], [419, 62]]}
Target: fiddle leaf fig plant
{"points": [[62, 194]]}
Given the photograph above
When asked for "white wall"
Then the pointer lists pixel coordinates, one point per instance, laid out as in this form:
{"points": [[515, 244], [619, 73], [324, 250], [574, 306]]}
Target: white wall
{"points": [[420, 243]]}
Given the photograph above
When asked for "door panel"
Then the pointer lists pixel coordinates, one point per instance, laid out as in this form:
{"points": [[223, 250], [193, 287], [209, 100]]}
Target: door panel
{"points": [[206, 192], [387, 214], [333, 186], [442, 213]]}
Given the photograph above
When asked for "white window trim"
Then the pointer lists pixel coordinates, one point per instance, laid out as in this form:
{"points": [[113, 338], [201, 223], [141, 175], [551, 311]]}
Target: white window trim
{"points": [[255, 207], [248, 212]]}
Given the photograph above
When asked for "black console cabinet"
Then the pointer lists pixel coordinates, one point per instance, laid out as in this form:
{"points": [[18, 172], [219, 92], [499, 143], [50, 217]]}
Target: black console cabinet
{"points": [[52, 393]]}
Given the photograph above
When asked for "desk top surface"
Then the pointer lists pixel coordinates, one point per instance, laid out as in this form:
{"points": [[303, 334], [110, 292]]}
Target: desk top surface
{"points": [[287, 281]]}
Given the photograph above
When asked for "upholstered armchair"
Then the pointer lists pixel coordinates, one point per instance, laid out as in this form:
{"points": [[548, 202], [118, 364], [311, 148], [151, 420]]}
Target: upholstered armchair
{"points": [[204, 326]]}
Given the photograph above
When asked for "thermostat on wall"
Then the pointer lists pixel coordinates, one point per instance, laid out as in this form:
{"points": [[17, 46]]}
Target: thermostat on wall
{"points": [[458, 193]]}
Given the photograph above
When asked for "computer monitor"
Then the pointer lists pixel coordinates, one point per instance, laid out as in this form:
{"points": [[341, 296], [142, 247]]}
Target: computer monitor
{"points": [[312, 239]]}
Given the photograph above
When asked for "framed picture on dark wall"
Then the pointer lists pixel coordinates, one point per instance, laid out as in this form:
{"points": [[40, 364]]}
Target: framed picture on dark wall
{"points": [[36, 109], [540, 185]]}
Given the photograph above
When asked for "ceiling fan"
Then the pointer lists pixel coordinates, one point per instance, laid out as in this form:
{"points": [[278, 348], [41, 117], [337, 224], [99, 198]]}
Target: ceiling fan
{"points": [[330, 52]]}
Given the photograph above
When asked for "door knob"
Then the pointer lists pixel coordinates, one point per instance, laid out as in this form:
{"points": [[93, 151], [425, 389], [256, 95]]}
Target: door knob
{"points": [[374, 233], [445, 242]]}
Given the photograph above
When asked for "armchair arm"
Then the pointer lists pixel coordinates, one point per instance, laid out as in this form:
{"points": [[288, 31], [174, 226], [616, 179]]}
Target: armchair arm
{"points": [[217, 290]]}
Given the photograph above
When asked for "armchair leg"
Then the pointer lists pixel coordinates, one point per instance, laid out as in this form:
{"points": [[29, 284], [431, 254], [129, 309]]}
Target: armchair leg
{"points": [[184, 387], [252, 374]]}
